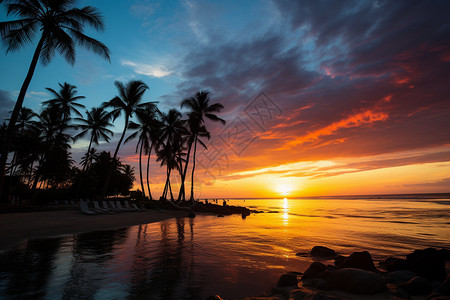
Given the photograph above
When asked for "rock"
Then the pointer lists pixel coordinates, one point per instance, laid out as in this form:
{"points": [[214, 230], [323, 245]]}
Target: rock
{"points": [[360, 260], [322, 296], [304, 294], [322, 252], [220, 216], [444, 288], [400, 276], [445, 254], [314, 270], [394, 264], [214, 297], [339, 260], [400, 293], [288, 279], [355, 280], [416, 286], [317, 283], [428, 263], [191, 215], [437, 296]]}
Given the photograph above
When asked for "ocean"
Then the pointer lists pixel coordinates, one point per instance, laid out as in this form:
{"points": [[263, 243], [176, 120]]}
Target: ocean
{"points": [[231, 256]]}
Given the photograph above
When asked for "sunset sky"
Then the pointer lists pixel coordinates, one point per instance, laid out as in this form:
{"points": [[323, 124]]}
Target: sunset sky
{"points": [[321, 97]]}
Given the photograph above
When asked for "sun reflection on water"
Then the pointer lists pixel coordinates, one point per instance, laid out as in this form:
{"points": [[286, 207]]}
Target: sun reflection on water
{"points": [[285, 214]]}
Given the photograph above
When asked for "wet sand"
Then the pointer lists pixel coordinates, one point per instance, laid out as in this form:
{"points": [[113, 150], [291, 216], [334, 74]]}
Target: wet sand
{"points": [[16, 227]]}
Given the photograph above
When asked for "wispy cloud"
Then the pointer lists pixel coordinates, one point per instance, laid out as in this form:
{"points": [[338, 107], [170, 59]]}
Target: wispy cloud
{"points": [[355, 120], [146, 69]]}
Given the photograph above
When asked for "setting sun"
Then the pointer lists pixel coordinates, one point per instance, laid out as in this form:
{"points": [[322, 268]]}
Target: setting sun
{"points": [[285, 189]]}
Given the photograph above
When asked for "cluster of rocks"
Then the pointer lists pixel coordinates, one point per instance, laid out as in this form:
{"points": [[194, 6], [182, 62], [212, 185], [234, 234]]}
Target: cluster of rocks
{"points": [[421, 274]]}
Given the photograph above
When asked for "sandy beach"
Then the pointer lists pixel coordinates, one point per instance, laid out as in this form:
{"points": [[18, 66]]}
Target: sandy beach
{"points": [[16, 227]]}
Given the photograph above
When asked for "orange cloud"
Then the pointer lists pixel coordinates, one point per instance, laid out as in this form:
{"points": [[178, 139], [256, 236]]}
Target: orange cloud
{"points": [[356, 120]]}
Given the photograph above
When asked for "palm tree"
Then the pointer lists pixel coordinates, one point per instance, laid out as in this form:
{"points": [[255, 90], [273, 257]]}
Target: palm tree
{"points": [[25, 122], [54, 141], [60, 26], [86, 160], [97, 122], [128, 102], [65, 100], [199, 110], [171, 143], [146, 124]]}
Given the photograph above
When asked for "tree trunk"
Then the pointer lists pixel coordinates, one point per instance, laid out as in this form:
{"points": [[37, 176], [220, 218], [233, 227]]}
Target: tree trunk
{"points": [[193, 169], [111, 169], [169, 186], [182, 194], [140, 168], [148, 170], [15, 113]]}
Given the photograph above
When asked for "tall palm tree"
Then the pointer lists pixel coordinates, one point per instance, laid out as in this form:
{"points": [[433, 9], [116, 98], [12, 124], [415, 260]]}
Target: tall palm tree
{"points": [[170, 143], [146, 124], [128, 102], [65, 100], [97, 122], [200, 108], [60, 26]]}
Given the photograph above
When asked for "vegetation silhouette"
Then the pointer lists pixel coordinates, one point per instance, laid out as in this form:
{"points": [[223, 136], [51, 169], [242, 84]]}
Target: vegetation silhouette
{"points": [[128, 102], [61, 26], [39, 144]]}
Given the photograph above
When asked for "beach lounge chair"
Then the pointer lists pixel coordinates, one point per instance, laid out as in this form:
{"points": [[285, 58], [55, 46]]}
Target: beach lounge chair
{"points": [[111, 206], [100, 209], [85, 209], [137, 207], [127, 206], [119, 206]]}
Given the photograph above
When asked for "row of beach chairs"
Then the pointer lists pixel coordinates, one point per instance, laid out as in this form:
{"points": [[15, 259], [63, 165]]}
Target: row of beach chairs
{"points": [[107, 207]]}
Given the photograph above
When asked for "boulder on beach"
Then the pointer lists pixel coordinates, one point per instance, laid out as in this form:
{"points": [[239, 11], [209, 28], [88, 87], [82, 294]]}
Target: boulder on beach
{"points": [[214, 297], [437, 296], [400, 276], [360, 260], [314, 270], [392, 264], [306, 294], [444, 288], [287, 280], [416, 286], [428, 263], [339, 260], [322, 252], [355, 281]]}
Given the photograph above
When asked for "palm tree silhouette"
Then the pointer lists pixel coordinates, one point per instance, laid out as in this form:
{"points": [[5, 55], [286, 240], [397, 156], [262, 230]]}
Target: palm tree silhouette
{"points": [[128, 102], [60, 26], [65, 101], [146, 124], [25, 122], [199, 110], [97, 122], [170, 144]]}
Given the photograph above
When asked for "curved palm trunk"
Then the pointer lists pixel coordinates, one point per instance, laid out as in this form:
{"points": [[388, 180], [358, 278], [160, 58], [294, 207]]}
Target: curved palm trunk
{"points": [[15, 113], [140, 169], [182, 193], [166, 186], [111, 169], [148, 170], [193, 168]]}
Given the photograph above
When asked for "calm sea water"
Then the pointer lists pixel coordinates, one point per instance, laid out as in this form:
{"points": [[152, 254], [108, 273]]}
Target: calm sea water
{"points": [[230, 256]]}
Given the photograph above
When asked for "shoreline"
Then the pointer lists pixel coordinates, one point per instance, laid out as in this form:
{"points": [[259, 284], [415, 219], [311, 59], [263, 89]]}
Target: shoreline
{"points": [[19, 226]]}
